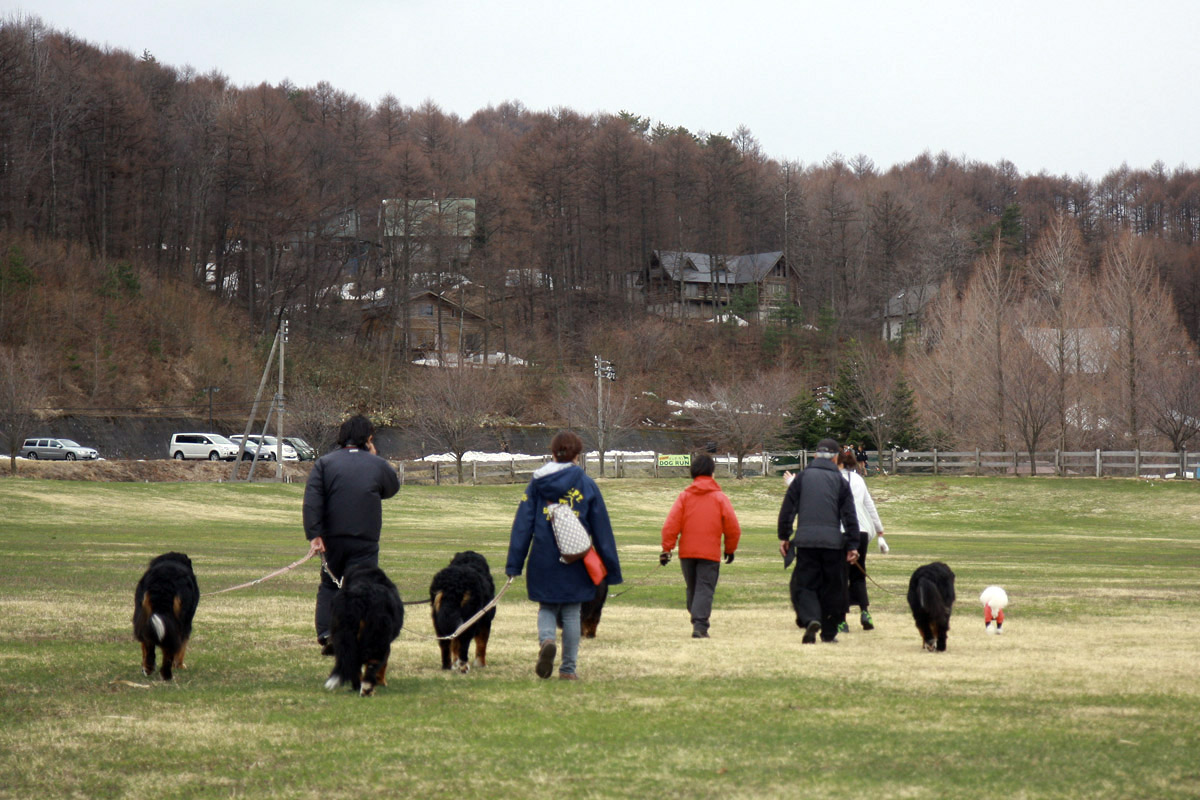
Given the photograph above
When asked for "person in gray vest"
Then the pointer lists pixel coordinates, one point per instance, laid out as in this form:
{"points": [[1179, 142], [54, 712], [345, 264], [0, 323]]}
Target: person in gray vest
{"points": [[826, 540]]}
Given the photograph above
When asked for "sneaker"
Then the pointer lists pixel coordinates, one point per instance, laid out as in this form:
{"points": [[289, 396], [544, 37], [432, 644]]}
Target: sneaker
{"points": [[568, 676], [843, 627], [867, 623], [545, 662], [699, 634], [991, 628], [811, 631]]}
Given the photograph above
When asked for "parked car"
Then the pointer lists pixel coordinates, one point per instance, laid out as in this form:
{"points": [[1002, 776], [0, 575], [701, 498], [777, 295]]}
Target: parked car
{"points": [[267, 446], [212, 446], [304, 450], [57, 449]]}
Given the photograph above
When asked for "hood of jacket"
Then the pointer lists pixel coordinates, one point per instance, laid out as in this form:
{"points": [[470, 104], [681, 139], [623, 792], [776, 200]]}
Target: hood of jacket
{"points": [[552, 481], [703, 484]]}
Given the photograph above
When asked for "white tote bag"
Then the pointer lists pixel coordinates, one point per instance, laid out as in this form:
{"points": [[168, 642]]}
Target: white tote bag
{"points": [[569, 534]]}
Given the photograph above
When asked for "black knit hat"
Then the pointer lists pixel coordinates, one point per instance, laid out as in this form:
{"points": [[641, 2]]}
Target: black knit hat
{"points": [[828, 446]]}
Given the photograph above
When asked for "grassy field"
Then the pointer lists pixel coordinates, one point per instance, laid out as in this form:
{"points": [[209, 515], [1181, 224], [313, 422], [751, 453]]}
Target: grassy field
{"points": [[1091, 693]]}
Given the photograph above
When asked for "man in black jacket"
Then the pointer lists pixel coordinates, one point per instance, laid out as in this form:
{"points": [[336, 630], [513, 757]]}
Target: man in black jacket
{"points": [[826, 541], [343, 509]]}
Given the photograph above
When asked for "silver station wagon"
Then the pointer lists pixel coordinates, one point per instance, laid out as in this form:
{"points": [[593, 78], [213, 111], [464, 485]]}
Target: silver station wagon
{"points": [[57, 450]]}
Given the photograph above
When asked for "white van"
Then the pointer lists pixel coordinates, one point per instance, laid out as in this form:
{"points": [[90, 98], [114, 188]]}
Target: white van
{"points": [[212, 446]]}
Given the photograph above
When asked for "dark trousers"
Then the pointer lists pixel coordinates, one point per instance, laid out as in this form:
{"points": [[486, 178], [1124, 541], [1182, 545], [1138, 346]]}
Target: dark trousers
{"points": [[341, 553], [818, 588], [700, 577], [858, 577]]}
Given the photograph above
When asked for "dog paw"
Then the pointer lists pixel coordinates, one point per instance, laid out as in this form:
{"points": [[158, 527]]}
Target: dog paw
{"points": [[477, 664], [333, 683], [367, 690], [462, 667]]}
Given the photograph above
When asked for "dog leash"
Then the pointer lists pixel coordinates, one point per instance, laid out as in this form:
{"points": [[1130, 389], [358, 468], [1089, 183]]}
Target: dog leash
{"points": [[872, 580], [338, 582], [492, 604], [268, 576], [634, 585]]}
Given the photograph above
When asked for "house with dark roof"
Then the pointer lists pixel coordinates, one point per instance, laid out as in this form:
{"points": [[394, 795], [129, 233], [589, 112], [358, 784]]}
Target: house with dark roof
{"points": [[700, 285], [902, 312]]}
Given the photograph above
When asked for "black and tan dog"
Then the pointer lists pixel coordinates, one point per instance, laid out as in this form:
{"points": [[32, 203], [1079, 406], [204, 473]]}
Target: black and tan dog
{"points": [[589, 612], [931, 597], [367, 615], [456, 594], [164, 604]]}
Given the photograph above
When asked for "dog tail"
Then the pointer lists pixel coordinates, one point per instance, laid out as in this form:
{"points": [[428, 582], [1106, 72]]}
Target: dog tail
{"points": [[931, 597], [160, 627]]}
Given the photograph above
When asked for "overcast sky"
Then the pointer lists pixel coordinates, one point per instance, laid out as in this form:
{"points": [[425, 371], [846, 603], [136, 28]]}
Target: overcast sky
{"points": [[1067, 87]]}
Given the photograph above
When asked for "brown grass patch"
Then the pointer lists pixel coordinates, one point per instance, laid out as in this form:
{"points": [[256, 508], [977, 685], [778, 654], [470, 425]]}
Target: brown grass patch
{"points": [[153, 471]]}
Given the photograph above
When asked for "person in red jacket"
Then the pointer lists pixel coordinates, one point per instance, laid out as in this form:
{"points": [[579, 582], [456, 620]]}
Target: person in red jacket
{"points": [[698, 520]]}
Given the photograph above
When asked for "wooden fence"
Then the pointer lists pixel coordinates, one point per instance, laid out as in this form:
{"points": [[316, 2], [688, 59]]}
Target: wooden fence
{"points": [[1082, 463], [1085, 463], [519, 470]]}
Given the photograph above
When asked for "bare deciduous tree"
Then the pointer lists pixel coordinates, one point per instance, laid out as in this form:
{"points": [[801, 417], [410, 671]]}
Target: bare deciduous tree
{"points": [[1064, 300], [987, 305], [22, 390], [1138, 309], [314, 416], [745, 416], [601, 421], [936, 365], [451, 407], [1174, 400], [1032, 406]]}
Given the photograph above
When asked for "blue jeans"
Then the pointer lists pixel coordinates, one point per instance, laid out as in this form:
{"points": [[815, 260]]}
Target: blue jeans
{"points": [[548, 618]]}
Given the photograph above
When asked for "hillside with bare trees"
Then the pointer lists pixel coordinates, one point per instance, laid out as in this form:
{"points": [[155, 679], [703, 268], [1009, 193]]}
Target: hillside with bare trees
{"points": [[156, 225]]}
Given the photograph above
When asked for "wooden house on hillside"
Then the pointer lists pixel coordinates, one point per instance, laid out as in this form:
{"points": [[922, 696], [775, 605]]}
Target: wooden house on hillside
{"points": [[699, 285], [437, 326]]}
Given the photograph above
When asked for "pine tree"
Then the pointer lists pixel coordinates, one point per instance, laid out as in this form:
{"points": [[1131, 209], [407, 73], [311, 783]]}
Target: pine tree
{"points": [[807, 423]]}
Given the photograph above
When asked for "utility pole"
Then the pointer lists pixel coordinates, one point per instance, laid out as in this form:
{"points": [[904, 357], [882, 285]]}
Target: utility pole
{"points": [[279, 405], [210, 390], [604, 369]]}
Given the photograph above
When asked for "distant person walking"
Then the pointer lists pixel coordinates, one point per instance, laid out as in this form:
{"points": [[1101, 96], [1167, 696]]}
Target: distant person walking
{"points": [[699, 519], [557, 587], [343, 510], [826, 540], [860, 456], [869, 526]]}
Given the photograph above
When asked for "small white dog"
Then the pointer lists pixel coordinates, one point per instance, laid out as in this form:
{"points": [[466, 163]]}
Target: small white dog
{"points": [[994, 600]]}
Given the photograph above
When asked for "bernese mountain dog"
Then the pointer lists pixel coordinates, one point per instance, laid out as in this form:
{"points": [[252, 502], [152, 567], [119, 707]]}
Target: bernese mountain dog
{"points": [[931, 597], [589, 612], [164, 604], [456, 594], [367, 615]]}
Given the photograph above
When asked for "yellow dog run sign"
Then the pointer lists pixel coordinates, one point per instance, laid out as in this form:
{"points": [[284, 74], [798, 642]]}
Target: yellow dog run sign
{"points": [[674, 461]]}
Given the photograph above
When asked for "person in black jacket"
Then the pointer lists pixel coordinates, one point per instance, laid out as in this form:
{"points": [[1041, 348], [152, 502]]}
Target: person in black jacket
{"points": [[826, 541], [343, 509]]}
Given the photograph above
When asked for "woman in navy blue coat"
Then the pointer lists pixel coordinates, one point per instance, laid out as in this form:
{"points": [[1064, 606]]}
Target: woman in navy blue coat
{"points": [[560, 588]]}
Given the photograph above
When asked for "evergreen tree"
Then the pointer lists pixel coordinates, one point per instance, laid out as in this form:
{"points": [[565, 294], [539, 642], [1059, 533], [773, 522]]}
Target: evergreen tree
{"points": [[906, 429], [807, 423]]}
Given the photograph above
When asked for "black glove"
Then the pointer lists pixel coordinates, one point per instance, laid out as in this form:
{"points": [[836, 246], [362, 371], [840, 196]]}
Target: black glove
{"points": [[663, 558], [729, 558]]}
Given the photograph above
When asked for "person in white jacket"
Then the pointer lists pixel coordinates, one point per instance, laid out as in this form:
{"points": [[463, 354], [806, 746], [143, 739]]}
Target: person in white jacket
{"points": [[870, 527]]}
